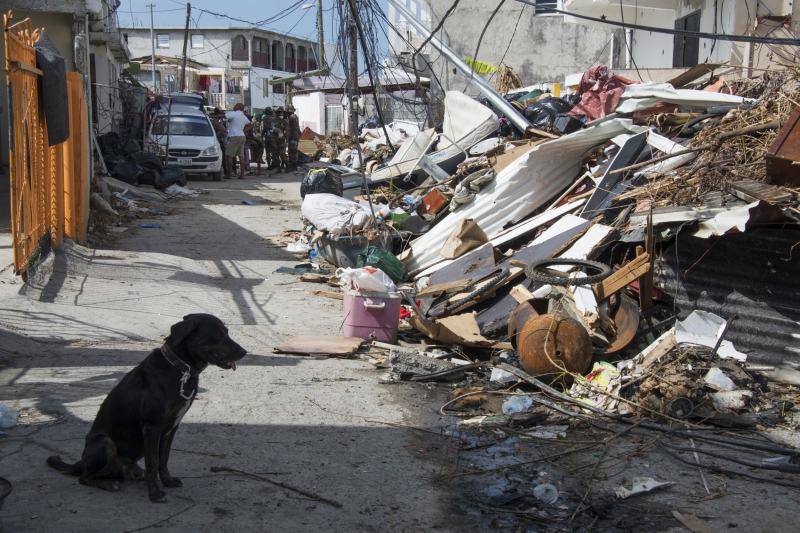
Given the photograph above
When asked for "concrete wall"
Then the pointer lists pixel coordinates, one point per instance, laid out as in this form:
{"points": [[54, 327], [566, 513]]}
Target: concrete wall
{"points": [[259, 80], [543, 49]]}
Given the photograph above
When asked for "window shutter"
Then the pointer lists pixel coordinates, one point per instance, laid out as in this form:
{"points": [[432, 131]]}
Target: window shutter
{"points": [[163, 40], [197, 41]]}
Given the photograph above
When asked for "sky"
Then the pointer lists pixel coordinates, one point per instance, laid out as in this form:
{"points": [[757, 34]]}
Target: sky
{"points": [[300, 22]]}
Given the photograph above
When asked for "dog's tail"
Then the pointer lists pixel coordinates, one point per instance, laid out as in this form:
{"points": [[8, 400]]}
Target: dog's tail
{"points": [[68, 469]]}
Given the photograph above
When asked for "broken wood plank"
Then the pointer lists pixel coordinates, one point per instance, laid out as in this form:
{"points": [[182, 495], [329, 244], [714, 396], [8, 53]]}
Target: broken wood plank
{"points": [[521, 294], [320, 345], [693, 523], [622, 277], [328, 294]]}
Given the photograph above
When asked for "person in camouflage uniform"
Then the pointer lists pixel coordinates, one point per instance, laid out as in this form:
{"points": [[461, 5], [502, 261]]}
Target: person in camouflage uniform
{"points": [[269, 139], [280, 131], [294, 137]]}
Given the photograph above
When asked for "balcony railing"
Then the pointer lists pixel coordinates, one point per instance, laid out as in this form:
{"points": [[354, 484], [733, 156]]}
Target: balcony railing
{"points": [[312, 65], [302, 65], [261, 59], [290, 64], [240, 54]]}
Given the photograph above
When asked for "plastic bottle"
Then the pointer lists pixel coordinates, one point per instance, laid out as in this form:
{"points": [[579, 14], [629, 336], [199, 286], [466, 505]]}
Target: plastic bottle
{"points": [[8, 417], [312, 254]]}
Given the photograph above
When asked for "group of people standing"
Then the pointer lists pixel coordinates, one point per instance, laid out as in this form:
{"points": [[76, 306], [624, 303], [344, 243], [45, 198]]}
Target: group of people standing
{"points": [[275, 132]]}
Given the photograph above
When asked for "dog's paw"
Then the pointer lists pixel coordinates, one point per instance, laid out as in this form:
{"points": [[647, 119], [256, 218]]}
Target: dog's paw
{"points": [[171, 482], [158, 497]]}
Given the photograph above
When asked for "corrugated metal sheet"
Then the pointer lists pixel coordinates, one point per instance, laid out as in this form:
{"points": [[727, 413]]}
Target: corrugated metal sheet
{"points": [[520, 188], [750, 274]]}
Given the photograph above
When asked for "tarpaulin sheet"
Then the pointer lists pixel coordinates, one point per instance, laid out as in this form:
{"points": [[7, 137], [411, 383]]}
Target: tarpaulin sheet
{"points": [[600, 90]]}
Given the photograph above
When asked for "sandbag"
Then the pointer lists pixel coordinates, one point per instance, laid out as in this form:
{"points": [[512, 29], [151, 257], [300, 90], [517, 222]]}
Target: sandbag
{"points": [[318, 181], [171, 175], [337, 216]]}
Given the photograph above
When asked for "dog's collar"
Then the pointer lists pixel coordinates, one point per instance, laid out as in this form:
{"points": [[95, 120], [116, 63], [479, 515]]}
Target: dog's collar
{"points": [[176, 361], [187, 371]]}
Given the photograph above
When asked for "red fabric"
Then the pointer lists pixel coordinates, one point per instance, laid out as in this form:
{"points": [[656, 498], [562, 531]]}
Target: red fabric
{"points": [[600, 89]]}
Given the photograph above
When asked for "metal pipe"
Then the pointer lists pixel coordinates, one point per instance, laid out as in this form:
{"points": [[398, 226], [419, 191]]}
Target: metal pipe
{"points": [[152, 49], [287, 79], [479, 83]]}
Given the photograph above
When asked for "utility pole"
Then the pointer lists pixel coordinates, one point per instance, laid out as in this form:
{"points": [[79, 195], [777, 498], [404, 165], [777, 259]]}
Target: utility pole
{"points": [[185, 39], [352, 43], [152, 49], [321, 54]]}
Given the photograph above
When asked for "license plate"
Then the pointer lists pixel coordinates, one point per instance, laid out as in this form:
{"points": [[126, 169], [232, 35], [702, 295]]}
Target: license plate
{"points": [[185, 161]]}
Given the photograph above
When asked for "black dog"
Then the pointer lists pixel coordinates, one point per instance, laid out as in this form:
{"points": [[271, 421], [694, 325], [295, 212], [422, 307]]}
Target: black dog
{"points": [[140, 416]]}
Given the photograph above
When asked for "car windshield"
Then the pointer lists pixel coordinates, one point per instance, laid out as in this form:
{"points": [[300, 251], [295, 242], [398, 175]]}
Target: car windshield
{"points": [[192, 126]]}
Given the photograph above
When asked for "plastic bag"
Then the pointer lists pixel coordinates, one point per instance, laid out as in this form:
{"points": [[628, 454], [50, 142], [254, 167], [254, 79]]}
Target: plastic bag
{"points": [[8, 417], [127, 146], [149, 161], [372, 122], [544, 112], [127, 171], [172, 175], [337, 216], [319, 181], [365, 279], [386, 261]]}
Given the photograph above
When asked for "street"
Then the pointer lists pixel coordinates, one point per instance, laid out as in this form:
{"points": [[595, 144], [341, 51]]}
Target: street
{"points": [[295, 420]]}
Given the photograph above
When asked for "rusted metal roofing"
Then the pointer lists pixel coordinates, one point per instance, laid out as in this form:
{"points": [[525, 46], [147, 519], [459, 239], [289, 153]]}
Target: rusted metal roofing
{"points": [[754, 275]]}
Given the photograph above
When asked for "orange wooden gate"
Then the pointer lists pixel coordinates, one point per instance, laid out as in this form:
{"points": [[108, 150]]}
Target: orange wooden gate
{"points": [[48, 183]]}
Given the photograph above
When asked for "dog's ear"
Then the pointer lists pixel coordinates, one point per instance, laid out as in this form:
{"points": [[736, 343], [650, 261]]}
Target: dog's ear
{"points": [[182, 329]]}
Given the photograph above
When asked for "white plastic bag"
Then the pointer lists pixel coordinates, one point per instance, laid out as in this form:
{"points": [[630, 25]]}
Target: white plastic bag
{"points": [[365, 279], [337, 216]]}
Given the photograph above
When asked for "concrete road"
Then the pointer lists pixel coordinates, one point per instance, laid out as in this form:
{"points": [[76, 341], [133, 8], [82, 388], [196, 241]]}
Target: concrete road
{"points": [[65, 342]]}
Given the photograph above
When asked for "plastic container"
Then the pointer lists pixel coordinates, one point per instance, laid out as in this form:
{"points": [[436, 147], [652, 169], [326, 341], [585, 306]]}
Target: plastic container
{"points": [[372, 316]]}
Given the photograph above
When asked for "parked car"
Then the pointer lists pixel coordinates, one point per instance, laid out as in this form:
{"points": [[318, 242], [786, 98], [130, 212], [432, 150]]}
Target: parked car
{"points": [[189, 136]]}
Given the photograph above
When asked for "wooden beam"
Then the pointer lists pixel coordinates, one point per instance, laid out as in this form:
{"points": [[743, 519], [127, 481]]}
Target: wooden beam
{"points": [[622, 277]]}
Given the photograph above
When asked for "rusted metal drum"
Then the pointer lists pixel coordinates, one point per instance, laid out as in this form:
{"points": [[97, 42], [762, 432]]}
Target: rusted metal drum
{"points": [[552, 344]]}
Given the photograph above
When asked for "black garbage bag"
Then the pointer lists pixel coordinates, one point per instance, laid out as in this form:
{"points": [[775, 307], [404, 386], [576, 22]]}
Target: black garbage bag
{"points": [[319, 181], [148, 161], [574, 99], [125, 170], [112, 160], [108, 143], [127, 146], [148, 176], [544, 112], [171, 175], [371, 123], [302, 158], [485, 101]]}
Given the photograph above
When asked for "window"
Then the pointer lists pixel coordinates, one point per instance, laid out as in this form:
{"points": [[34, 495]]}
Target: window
{"points": [[278, 88], [162, 40], [242, 43], [685, 48], [125, 36], [197, 41], [546, 3], [190, 126]]}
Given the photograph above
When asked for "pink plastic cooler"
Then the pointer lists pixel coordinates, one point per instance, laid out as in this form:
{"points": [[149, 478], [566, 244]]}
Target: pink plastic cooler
{"points": [[372, 316]]}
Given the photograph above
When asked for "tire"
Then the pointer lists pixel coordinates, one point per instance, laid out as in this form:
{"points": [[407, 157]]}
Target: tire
{"points": [[603, 272], [216, 176]]}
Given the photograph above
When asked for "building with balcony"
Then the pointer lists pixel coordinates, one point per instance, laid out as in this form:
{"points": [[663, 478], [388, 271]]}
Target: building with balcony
{"points": [[242, 55]]}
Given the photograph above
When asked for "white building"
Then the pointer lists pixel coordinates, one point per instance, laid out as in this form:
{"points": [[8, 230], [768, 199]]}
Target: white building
{"points": [[256, 56], [651, 50]]}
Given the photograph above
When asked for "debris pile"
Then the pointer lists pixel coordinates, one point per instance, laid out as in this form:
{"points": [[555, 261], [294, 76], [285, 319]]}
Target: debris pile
{"points": [[626, 261]]}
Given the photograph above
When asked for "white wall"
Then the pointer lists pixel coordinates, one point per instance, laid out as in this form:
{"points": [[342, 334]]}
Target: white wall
{"points": [[259, 78], [652, 50], [311, 111]]}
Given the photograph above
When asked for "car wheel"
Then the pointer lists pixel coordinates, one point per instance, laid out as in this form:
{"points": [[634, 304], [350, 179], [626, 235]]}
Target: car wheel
{"points": [[217, 176]]}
